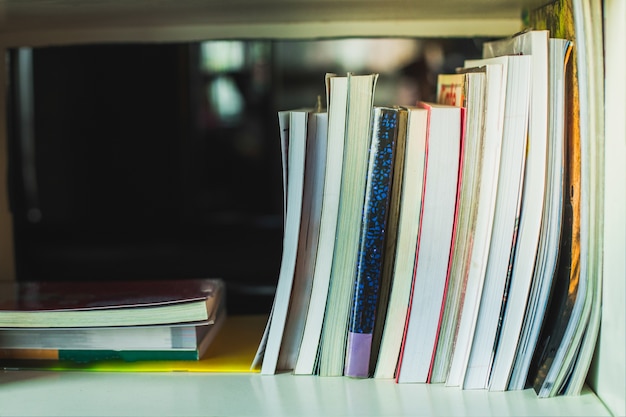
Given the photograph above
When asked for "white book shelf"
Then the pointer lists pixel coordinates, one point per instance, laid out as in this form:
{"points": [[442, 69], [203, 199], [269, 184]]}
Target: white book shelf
{"points": [[63, 22], [177, 394]]}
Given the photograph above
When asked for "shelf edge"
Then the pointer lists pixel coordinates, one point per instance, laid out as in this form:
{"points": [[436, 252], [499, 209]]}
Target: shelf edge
{"points": [[280, 30]]}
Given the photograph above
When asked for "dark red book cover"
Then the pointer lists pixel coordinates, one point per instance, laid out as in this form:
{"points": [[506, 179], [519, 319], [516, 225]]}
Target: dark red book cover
{"points": [[88, 295], [109, 303]]}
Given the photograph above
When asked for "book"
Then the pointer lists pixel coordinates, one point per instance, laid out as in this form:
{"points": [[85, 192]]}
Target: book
{"points": [[533, 43], [506, 216], [591, 26], [336, 103], [589, 20], [570, 280], [609, 363], [371, 254], [71, 304], [92, 345], [547, 257], [295, 185], [315, 163], [232, 350], [391, 236], [96, 355], [408, 230], [445, 136], [470, 94], [486, 201], [451, 89], [566, 349], [283, 128], [355, 157], [156, 337]]}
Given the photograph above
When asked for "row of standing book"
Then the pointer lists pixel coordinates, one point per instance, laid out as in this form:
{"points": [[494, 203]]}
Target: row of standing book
{"points": [[433, 243]]}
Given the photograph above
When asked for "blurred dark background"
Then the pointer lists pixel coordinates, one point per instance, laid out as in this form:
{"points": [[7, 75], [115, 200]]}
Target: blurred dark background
{"points": [[143, 161]]}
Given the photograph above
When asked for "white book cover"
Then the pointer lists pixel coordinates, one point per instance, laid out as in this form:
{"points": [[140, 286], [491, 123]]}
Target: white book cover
{"points": [[506, 216], [547, 255], [358, 132], [337, 95], [534, 44], [315, 165], [295, 184], [496, 75], [408, 230], [473, 99], [434, 243]]}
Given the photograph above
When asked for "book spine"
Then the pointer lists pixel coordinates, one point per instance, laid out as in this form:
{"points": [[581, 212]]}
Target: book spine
{"points": [[372, 240]]}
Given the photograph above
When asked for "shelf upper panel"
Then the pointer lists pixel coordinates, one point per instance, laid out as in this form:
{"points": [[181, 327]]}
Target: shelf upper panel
{"points": [[25, 22]]}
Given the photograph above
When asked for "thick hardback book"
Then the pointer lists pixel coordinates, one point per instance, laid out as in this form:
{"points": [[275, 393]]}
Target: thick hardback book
{"points": [[355, 158], [408, 230], [434, 243], [506, 217], [371, 253], [28, 304]]}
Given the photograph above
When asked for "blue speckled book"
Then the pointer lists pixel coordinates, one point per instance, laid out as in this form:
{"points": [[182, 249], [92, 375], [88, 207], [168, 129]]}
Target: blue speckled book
{"points": [[372, 241]]}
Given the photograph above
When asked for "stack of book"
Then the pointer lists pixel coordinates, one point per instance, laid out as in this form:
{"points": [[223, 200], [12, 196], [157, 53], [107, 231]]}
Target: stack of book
{"points": [[422, 243], [127, 320]]}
